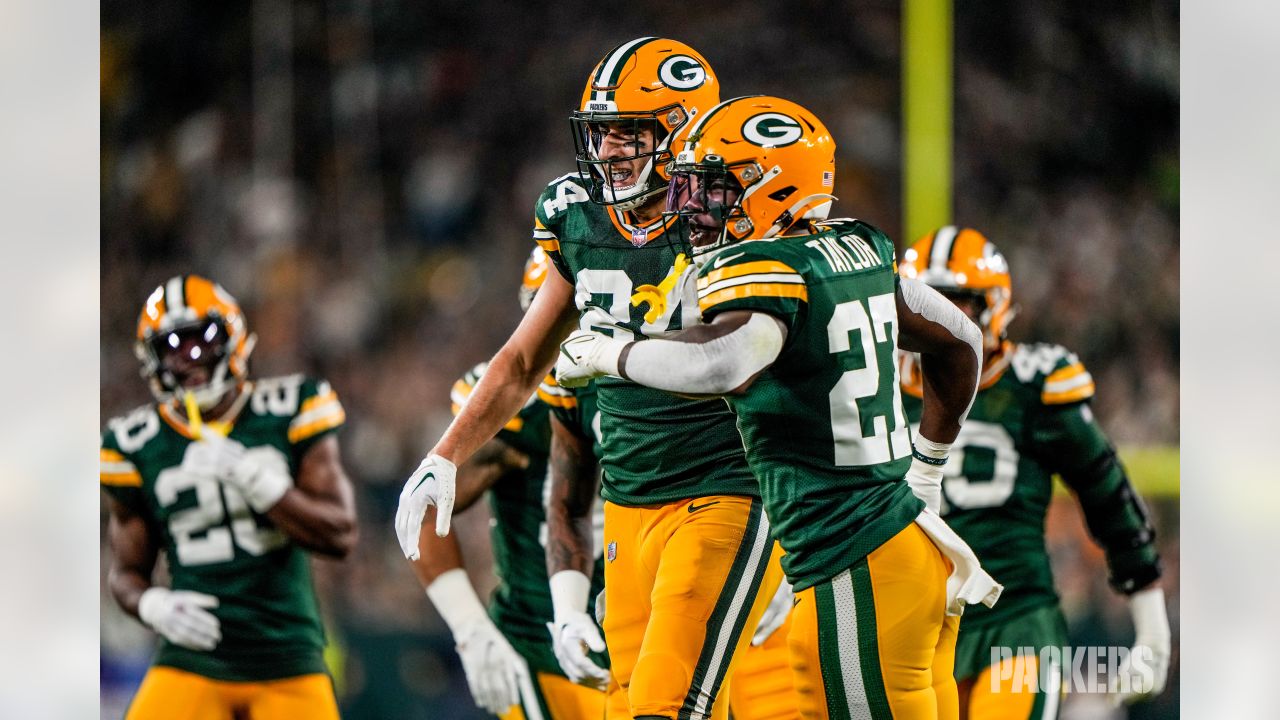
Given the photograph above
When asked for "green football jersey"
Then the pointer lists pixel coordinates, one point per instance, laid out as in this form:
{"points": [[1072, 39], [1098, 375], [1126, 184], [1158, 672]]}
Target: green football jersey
{"points": [[657, 447], [1030, 420], [521, 603], [214, 542], [823, 425]]}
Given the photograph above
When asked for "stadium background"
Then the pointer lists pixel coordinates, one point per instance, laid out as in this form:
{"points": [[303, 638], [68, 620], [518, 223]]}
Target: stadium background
{"points": [[360, 174]]}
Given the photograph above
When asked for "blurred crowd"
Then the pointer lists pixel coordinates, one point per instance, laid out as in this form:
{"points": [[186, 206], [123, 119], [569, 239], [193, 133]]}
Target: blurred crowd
{"points": [[361, 174]]}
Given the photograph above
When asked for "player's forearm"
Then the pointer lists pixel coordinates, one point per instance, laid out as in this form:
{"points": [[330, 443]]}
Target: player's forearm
{"points": [[574, 484], [715, 359], [438, 554], [506, 386], [950, 380], [950, 347], [1118, 521], [324, 525], [127, 586]]}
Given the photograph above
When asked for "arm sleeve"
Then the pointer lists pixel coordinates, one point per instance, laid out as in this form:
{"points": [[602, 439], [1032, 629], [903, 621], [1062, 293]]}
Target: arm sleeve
{"points": [[714, 367], [1076, 448]]}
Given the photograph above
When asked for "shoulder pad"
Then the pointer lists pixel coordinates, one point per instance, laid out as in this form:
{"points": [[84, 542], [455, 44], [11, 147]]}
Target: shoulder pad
{"points": [[556, 198], [750, 270], [1056, 371], [124, 436], [310, 404]]}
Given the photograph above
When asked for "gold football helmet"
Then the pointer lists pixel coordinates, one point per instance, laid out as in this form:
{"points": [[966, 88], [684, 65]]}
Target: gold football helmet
{"points": [[751, 167], [192, 337], [961, 263], [646, 84]]}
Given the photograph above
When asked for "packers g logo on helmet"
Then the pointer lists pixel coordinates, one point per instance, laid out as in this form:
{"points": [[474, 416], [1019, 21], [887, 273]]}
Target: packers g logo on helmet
{"points": [[681, 72], [772, 130]]}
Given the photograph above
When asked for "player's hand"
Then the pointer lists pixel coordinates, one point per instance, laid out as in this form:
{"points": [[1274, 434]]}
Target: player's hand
{"points": [[433, 483], [494, 670], [573, 634], [1145, 671], [182, 617], [926, 483], [775, 614], [262, 478], [585, 356]]}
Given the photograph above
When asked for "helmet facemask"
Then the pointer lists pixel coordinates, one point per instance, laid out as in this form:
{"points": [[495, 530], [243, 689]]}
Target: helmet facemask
{"points": [[706, 200], [193, 357], [625, 181]]}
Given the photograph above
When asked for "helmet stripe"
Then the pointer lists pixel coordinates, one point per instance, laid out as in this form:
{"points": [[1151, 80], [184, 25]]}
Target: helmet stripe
{"points": [[175, 295], [943, 241], [613, 64]]}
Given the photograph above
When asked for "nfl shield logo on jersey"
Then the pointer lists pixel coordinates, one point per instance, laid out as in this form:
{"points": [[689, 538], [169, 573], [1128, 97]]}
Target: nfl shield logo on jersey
{"points": [[639, 236], [612, 551]]}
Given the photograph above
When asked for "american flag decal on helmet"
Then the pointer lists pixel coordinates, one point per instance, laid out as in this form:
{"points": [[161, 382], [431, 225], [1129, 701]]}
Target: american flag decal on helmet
{"points": [[828, 178]]}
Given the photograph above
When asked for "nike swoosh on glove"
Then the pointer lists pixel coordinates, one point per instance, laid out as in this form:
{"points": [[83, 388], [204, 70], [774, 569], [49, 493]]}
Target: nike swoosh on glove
{"points": [[433, 483]]}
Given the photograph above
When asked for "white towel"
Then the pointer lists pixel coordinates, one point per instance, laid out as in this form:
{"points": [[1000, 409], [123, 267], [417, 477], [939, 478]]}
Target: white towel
{"points": [[969, 583]]}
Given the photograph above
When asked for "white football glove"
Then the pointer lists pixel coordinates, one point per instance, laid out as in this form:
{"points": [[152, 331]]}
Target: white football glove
{"points": [[182, 617], [1143, 676], [775, 614], [261, 475], [433, 483], [574, 633], [494, 670], [585, 356]]}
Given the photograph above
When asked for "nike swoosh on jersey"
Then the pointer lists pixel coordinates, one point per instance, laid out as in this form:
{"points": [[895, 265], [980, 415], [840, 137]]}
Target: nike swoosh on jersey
{"points": [[724, 259], [695, 508]]}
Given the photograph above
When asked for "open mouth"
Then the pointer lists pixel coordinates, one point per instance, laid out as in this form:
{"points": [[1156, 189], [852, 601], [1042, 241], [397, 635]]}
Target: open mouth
{"points": [[621, 180], [701, 234]]}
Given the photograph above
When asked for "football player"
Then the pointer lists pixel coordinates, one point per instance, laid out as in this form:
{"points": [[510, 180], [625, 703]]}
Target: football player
{"points": [[505, 651], [688, 568], [1030, 420], [234, 480], [803, 319]]}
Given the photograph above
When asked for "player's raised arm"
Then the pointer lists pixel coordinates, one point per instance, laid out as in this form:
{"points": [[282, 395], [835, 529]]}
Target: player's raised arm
{"points": [[950, 347], [513, 375]]}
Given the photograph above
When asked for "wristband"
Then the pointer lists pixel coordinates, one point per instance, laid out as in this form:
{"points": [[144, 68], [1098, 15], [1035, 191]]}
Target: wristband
{"points": [[569, 592], [936, 462], [456, 600]]}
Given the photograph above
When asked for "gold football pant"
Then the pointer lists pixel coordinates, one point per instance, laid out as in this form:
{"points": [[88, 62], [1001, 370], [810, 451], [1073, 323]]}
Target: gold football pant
{"points": [[762, 686], [685, 584], [170, 694], [874, 641], [979, 700], [555, 697]]}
